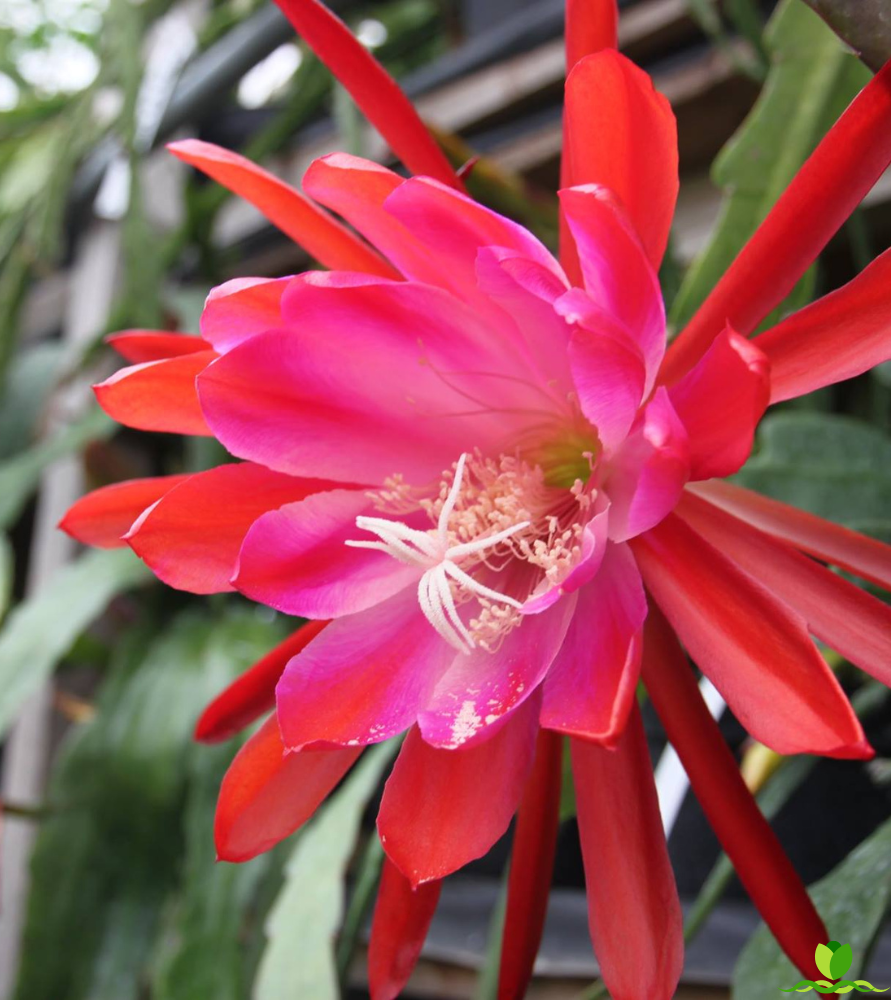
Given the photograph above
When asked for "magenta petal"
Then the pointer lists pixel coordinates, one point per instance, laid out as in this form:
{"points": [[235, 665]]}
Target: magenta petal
{"points": [[481, 688], [363, 678], [242, 308], [296, 560], [646, 477], [720, 402], [618, 275], [443, 808], [590, 687]]}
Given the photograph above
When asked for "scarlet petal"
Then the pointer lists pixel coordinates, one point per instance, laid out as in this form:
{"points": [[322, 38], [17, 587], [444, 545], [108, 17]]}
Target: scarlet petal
{"points": [[103, 517], [619, 279], [191, 537], [621, 133], [139, 346], [402, 918], [364, 678], [858, 554], [649, 471], [253, 693], [759, 860], [754, 648], [720, 403], [846, 618], [821, 196], [531, 868], [633, 908], [158, 395], [296, 559], [839, 336], [372, 88], [241, 308], [590, 27], [443, 808], [590, 687], [267, 793]]}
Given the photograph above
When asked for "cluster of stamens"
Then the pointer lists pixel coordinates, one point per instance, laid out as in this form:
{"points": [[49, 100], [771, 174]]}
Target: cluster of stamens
{"points": [[491, 518]]}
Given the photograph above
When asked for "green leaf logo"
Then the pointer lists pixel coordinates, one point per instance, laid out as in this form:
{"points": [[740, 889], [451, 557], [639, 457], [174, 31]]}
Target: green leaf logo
{"points": [[823, 956], [833, 959]]}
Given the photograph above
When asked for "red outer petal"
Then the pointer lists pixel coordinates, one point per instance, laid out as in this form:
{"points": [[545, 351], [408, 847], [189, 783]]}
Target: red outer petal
{"points": [[267, 794], [443, 808], [103, 517], [402, 918], [744, 833], [866, 557], [139, 346], [253, 693], [755, 649], [839, 336], [842, 615], [323, 238], [531, 867], [158, 395], [621, 133], [591, 25], [633, 908], [720, 403], [821, 196], [371, 87], [191, 537]]}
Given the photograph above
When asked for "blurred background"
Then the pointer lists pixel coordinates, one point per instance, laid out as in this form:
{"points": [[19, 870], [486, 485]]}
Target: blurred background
{"points": [[107, 877]]}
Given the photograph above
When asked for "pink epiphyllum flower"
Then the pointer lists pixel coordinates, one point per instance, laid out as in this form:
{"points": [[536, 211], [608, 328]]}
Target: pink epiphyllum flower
{"points": [[466, 462]]}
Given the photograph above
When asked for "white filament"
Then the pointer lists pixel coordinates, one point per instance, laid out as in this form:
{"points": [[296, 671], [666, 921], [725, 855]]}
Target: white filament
{"points": [[438, 557]]}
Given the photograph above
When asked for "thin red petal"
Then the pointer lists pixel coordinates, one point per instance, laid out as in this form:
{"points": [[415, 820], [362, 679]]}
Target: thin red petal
{"points": [[253, 693], [444, 808], [755, 649], [402, 918], [308, 225], [158, 395], [620, 132], [267, 793], [865, 557], [633, 908], [139, 346], [846, 618], [371, 87], [744, 833], [103, 517], [821, 196], [531, 867], [837, 337]]}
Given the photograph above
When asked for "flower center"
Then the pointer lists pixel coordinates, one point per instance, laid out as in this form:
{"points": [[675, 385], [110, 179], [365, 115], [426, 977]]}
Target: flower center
{"points": [[501, 531]]}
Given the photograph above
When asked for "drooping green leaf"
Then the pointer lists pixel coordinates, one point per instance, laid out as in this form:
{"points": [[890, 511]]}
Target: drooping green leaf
{"points": [[19, 476], [31, 376], [40, 630], [7, 571], [299, 958], [812, 79], [852, 900], [833, 466]]}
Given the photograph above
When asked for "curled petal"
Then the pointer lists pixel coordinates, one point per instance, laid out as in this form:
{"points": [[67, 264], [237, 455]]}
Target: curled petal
{"points": [[865, 557], [323, 238], [253, 693], [268, 793], [755, 649], [720, 403], [139, 346], [839, 336], [103, 517], [401, 920], [443, 808], [190, 538], [621, 134], [157, 395], [647, 475], [241, 308], [371, 86], [633, 908]]}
